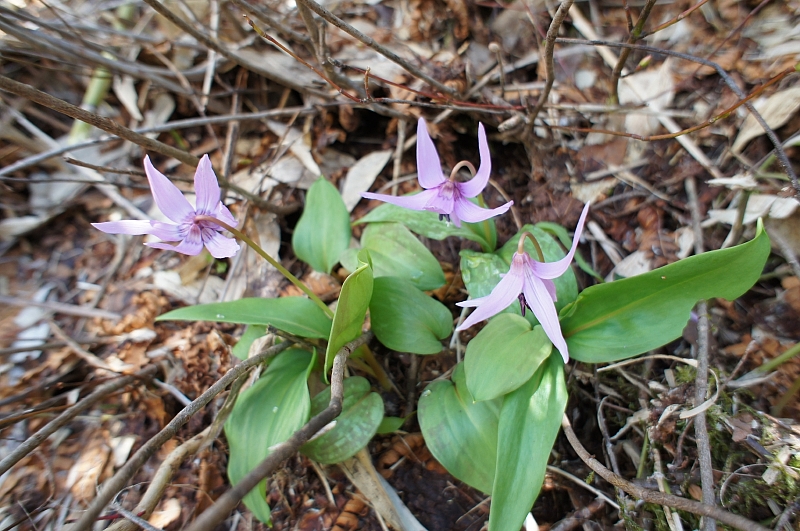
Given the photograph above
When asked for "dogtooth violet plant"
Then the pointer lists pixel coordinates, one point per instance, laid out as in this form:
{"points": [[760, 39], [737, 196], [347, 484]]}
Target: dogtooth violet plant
{"points": [[494, 422]]}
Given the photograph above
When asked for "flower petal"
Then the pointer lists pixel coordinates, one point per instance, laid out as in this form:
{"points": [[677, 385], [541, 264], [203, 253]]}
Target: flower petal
{"points": [[476, 185], [192, 244], [472, 213], [168, 198], [223, 214], [539, 301], [206, 187], [556, 269], [218, 245], [442, 202], [429, 168], [164, 231], [414, 202], [504, 293]]}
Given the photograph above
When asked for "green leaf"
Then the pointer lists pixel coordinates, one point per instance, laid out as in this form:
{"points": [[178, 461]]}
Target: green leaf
{"points": [[362, 412], [351, 308], [323, 231], [396, 252], [461, 434], [390, 425], [266, 414], [486, 229], [251, 333], [503, 356], [424, 223], [296, 315], [405, 319], [529, 422], [626, 317]]}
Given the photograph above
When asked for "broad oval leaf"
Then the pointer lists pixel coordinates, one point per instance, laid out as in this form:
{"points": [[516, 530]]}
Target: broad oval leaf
{"points": [[323, 231], [358, 423], [351, 308], [461, 434], [296, 315], [529, 422], [425, 223], [503, 356], [396, 252], [405, 319], [620, 319], [266, 414]]}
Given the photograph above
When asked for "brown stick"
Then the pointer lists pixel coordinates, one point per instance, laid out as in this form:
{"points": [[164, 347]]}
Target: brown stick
{"points": [[228, 501], [652, 496], [51, 427], [550, 43], [117, 482]]}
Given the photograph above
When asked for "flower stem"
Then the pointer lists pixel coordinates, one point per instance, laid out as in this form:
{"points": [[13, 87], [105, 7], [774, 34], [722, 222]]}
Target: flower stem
{"points": [[532, 238], [285, 272]]}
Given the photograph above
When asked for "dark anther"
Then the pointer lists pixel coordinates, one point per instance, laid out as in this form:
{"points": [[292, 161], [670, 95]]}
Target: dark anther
{"points": [[522, 304], [445, 217]]}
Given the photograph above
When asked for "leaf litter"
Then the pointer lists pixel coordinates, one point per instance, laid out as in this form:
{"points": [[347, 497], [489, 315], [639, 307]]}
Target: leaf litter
{"points": [[641, 206]]}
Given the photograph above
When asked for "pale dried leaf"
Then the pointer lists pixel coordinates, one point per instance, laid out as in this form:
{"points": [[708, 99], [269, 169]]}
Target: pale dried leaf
{"points": [[127, 96], [362, 175], [776, 111]]}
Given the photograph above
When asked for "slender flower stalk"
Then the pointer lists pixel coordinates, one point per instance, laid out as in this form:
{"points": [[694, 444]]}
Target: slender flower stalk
{"points": [[274, 263], [530, 282], [447, 197]]}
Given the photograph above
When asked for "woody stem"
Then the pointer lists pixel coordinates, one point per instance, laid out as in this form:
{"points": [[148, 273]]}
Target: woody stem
{"points": [[534, 241], [285, 272]]}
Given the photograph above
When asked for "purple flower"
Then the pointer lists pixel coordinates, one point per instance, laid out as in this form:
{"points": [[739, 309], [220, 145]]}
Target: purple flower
{"points": [[190, 233], [530, 282], [447, 196]]}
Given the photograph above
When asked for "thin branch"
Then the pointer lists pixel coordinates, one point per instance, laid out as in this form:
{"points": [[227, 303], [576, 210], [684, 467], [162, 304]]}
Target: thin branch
{"points": [[61, 307], [369, 41], [652, 496], [550, 43], [228, 501], [101, 122], [117, 482], [636, 33], [781, 154], [224, 51], [63, 419]]}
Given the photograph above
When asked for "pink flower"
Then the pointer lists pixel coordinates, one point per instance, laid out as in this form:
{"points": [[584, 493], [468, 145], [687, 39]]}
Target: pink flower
{"points": [[190, 233], [530, 282], [447, 196]]}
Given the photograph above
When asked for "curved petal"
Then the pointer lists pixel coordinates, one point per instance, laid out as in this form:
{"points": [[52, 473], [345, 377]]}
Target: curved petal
{"points": [[206, 187], [556, 269], [476, 185], [192, 244], [223, 214], [168, 198], [442, 202], [164, 231], [538, 299], [218, 245], [414, 202], [504, 293], [472, 213], [429, 168]]}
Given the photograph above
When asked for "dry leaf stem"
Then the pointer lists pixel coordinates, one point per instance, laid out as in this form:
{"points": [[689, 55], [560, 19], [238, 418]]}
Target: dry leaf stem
{"points": [[652, 496], [118, 481], [63, 419], [280, 452]]}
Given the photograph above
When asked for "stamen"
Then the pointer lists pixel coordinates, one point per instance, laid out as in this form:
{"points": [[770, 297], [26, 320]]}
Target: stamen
{"points": [[445, 217], [522, 304]]}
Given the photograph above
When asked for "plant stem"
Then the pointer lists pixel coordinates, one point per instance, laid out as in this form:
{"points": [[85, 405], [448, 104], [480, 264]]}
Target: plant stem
{"points": [[277, 265]]}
